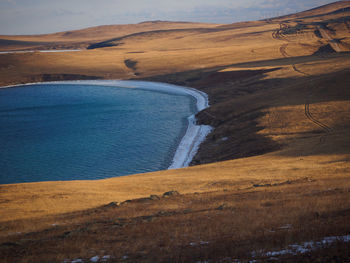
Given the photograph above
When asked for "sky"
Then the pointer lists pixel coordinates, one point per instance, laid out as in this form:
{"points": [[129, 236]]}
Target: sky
{"points": [[49, 16]]}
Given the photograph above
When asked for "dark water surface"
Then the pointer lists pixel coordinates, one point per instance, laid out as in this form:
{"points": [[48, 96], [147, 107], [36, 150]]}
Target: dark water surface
{"points": [[72, 132]]}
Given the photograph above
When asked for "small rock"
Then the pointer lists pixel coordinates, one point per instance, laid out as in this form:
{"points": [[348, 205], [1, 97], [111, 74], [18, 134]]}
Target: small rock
{"points": [[126, 202], [221, 207], [170, 193], [154, 197], [113, 204], [79, 260], [288, 226]]}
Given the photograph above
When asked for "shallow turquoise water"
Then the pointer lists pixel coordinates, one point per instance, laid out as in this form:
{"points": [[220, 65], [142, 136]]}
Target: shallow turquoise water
{"points": [[74, 132]]}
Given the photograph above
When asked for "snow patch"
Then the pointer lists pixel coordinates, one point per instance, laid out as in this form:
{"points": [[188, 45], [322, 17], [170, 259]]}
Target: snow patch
{"points": [[200, 243], [95, 259], [304, 247], [288, 226]]}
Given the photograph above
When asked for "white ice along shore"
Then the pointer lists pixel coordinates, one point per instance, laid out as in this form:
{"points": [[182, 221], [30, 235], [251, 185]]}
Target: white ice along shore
{"points": [[195, 134]]}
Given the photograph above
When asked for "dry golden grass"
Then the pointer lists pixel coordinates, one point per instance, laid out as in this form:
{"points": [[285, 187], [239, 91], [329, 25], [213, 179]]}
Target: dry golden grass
{"points": [[228, 219], [173, 51], [34, 200]]}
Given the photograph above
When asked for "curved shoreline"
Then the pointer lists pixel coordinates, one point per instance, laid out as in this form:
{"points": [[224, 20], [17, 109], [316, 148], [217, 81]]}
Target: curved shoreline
{"points": [[194, 135]]}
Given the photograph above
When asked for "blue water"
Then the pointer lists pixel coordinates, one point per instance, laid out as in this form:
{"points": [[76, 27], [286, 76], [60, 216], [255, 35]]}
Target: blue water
{"points": [[74, 132]]}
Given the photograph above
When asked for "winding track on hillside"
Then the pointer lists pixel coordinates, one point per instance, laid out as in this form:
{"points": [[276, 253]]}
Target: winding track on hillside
{"points": [[278, 34]]}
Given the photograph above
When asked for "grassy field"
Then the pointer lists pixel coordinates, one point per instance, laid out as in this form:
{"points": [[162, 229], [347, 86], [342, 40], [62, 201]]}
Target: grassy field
{"points": [[274, 172]]}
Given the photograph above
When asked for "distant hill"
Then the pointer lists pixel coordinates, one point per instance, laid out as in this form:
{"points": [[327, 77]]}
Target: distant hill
{"points": [[94, 36], [84, 37], [332, 8]]}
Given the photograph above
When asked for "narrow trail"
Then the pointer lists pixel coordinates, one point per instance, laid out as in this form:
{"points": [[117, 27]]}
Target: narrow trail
{"points": [[278, 34], [310, 117], [283, 50]]}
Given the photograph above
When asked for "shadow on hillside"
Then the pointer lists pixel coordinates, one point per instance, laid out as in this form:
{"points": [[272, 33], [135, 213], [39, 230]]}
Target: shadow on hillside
{"points": [[239, 99]]}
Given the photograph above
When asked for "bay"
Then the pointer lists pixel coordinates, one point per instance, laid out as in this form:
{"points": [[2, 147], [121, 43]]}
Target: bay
{"points": [[80, 132]]}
